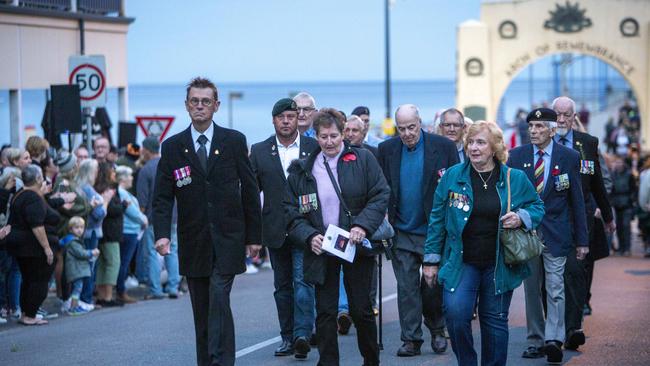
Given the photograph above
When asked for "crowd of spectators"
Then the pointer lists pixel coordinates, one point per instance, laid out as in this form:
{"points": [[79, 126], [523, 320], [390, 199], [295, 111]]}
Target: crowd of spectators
{"points": [[77, 224]]}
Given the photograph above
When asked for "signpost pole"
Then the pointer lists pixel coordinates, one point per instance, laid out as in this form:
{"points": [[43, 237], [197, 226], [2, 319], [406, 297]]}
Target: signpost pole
{"points": [[89, 129]]}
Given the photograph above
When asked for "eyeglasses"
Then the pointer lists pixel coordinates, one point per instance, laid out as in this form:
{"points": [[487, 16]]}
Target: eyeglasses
{"points": [[449, 125], [205, 102], [305, 110]]}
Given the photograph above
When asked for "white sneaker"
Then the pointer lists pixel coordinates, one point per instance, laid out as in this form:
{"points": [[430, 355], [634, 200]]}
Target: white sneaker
{"points": [[131, 282], [3, 320], [251, 269], [65, 306], [86, 306], [267, 265]]}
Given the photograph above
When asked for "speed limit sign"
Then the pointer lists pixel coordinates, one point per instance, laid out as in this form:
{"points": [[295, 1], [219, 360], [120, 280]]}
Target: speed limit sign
{"points": [[89, 73]]}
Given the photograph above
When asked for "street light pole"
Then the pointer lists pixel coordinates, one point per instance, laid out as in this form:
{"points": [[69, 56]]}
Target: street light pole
{"points": [[387, 46], [231, 97]]}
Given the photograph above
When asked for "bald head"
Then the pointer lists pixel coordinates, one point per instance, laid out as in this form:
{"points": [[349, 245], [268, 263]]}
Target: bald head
{"points": [[565, 108], [409, 124]]}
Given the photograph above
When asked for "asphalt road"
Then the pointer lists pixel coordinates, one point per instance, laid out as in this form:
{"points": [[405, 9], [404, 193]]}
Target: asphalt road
{"points": [[160, 332]]}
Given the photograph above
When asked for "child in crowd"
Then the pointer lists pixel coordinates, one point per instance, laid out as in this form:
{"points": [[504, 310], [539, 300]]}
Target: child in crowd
{"points": [[77, 262]]}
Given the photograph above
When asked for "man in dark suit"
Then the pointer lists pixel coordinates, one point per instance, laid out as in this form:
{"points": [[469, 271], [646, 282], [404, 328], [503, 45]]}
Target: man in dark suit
{"points": [[294, 298], [554, 171], [452, 126], [206, 170], [413, 163], [579, 273]]}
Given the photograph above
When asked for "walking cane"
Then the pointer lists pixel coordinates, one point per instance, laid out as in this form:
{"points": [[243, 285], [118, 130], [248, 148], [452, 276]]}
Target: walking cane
{"points": [[386, 244], [379, 266]]}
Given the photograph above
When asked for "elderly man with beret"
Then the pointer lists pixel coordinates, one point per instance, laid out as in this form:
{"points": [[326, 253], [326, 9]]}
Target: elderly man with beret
{"points": [[554, 171]]}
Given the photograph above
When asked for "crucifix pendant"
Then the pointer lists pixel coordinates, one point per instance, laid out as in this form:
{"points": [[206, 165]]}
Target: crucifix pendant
{"points": [[485, 186]]}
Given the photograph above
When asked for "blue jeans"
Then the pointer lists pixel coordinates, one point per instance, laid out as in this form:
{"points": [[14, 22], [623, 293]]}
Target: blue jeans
{"points": [[294, 298], [142, 260], [76, 287], [7, 281], [128, 247], [171, 263], [493, 316], [89, 282], [343, 297]]}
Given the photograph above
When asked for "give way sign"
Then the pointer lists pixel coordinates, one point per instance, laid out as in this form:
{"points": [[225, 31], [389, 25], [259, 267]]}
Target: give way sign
{"points": [[89, 72], [155, 125]]}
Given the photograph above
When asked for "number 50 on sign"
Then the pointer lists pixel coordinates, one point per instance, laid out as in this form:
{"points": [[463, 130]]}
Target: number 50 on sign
{"points": [[89, 72]]}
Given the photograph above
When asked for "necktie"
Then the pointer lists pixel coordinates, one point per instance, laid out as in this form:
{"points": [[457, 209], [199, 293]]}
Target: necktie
{"points": [[564, 141], [539, 172], [202, 153]]}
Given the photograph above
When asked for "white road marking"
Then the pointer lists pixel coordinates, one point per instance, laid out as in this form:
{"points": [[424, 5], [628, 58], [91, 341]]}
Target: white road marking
{"points": [[268, 342]]}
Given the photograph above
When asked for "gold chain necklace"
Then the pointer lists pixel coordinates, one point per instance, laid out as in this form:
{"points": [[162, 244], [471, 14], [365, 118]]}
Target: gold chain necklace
{"points": [[485, 186]]}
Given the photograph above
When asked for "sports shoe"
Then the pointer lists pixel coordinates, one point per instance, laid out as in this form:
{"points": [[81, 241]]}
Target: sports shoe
{"points": [[131, 282], [77, 311], [3, 320], [266, 265], [65, 306], [86, 306], [251, 269], [16, 314], [44, 314]]}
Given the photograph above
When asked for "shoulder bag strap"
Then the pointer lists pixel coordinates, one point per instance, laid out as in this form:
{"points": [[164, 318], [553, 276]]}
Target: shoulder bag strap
{"points": [[336, 187], [508, 180]]}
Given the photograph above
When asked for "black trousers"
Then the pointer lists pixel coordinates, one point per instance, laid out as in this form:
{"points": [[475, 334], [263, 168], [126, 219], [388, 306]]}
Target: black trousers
{"points": [[213, 323], [356, 278], [575, 291], [36, 274]]}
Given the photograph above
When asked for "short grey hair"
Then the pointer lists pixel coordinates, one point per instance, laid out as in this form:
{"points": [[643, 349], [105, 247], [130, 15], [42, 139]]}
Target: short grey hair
{"points": [[305, 95], [573, 103], [31, 174], [122, 172]]}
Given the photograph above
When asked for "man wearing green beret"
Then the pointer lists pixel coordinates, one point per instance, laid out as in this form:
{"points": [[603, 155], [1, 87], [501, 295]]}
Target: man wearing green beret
{"points": [[294, 298]]}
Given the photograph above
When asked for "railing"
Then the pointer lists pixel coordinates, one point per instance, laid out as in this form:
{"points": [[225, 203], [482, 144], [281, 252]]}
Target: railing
{"points": [[97, 7], [63, 5], [102, 7]]}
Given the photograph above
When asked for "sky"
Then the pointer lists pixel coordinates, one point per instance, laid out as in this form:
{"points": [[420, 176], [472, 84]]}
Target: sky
{"points": [[292, 40]]}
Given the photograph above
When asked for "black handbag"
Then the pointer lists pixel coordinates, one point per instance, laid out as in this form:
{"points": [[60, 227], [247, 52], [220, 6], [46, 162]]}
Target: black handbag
{"points": [[381, 239], [519, 245]]}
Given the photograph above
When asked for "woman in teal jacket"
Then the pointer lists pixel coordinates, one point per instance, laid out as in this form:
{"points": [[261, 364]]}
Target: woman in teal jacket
{"points": [[462, 250]]}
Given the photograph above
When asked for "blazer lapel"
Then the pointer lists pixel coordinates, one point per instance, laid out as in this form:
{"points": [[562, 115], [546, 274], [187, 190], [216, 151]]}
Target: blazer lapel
{"points": [[395, 166], [272, 150], [430, 161], [555, 161], [216, 146], [190, 152], [529, 164], [305, 148]]}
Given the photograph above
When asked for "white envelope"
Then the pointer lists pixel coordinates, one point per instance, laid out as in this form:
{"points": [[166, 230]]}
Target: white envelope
{"points": [[337, 242]]}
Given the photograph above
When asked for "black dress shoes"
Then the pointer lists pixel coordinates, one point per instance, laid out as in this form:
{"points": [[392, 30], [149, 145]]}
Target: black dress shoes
{"points": [[439, 344], [344, 322], [285, 349], [533, 352], [409, 349], [301, 348], [553, 350], [575, 339]]}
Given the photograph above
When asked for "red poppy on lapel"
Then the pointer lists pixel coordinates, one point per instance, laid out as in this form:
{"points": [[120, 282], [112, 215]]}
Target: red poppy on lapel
{"points": [[349, 157], [555, 172]]}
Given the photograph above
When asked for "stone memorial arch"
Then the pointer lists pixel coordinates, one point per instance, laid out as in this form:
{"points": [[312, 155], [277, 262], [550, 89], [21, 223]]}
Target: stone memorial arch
{"points": [[513, 34]]}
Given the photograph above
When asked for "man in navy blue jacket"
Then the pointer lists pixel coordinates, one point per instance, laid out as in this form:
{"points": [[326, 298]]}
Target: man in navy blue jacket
{"points": [[554, 171]]}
